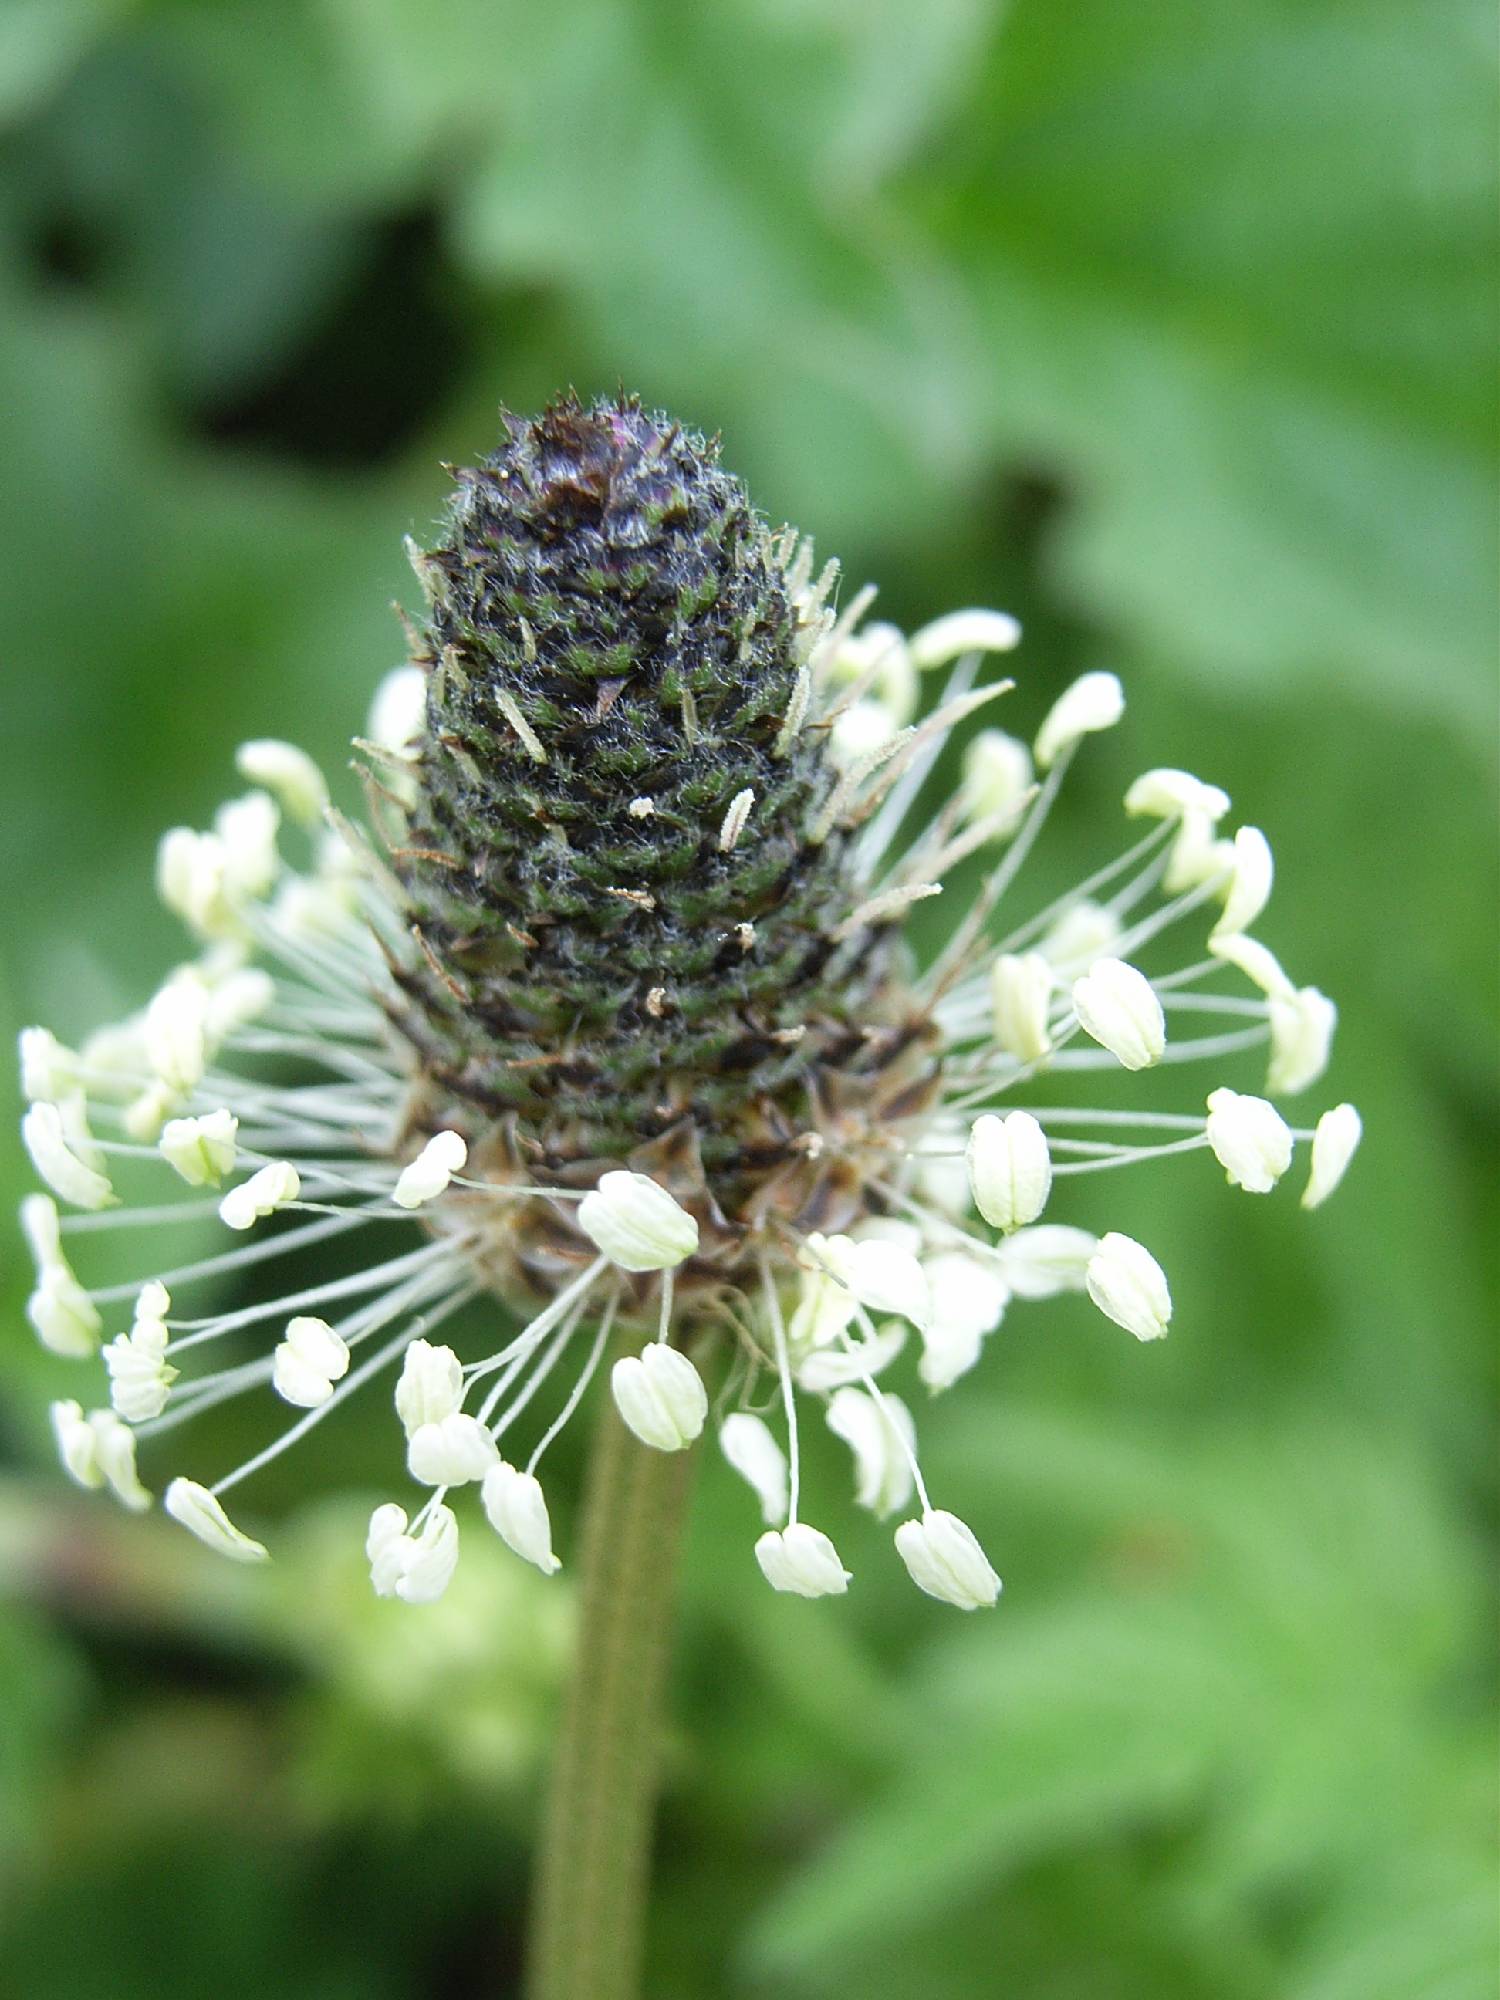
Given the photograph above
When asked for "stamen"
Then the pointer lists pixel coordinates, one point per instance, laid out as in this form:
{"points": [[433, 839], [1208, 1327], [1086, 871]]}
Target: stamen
{"points": [[333, 1288], [953, 958], [329, 1055], [1117, 1156], [1175, 1052], [1166, 1121], [664, 1325], [332, 973], [311, 1017], [911, 743], [1187, 975], [500, 1190], [246, 1253], [381, 1359], [138, 1218], [1169, 914], [873, 1389], [788, 1400], [882, 830], [205, 1391], [539, 1374], [580, 1387], [1086, 890], [530, 1337], [1213, 1003]]}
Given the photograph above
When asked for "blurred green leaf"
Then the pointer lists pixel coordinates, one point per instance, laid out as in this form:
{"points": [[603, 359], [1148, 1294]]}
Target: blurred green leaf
{"points": [[1270, 1660], [1235, 272], [40, 40], [42, 1689]]}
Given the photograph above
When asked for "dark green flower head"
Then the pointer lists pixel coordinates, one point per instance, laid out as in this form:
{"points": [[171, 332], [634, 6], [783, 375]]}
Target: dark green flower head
{"points": [[627, 893]]}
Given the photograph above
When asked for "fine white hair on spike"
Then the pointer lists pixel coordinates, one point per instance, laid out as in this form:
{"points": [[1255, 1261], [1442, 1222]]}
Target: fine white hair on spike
{"points": [[734, 820], [796, 713], [882, 908], [530, 742]]}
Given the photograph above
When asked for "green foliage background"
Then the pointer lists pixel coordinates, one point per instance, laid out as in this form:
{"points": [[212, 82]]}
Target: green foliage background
{"points": [[1171, 327]]}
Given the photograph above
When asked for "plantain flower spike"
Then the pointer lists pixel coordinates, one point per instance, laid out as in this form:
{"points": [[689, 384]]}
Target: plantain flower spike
{"points": [[610, 1016]]}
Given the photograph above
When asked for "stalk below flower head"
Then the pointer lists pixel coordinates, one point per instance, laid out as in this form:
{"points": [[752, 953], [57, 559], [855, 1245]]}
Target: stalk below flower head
{"points": [[611, 1003]]}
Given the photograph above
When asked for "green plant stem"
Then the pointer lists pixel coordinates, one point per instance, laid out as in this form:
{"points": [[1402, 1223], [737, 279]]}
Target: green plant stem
{"points": [[593, 1863]]}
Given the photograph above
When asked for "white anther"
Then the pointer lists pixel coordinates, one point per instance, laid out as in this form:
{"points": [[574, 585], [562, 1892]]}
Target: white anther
{"points": [[1260, 966], [98, 1450], [1020, 993], [660, 1396], [1335, 1137], [200, 1512], [885, 1276], [76, 1444], [451, 1452], [1118, 1007], [1043, 1262], [398, 714], [1081, 936], [1010, 1169], [943, 1557], [191, 880], [307, 1363], [959, 632], [882, 1437], [517, 1511], [751, 1448], [237, 998], [1250, 884], [288, 773], [637, 1224], [425, 1178], [1169, 794], [1128, 1286], [1250, 1139], [139, 1372], [997, 774], [1302, 1025], [176, 1030], [866, 725], [201, 1150], [969, 1297], [893, 682], [801, 1560], [1197, 855], [837, 1362], [1093, 702], [246, 828], [271, 1188], [416, 1568], [49, 1069], [62, 1315], [58, 1140], [431, 1385]]}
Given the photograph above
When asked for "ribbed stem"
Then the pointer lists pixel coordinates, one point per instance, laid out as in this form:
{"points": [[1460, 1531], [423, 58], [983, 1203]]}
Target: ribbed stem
{"points": [[593, 1864]]}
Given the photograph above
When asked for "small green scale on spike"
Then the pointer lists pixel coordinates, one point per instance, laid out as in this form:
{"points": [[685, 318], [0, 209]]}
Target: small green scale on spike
{"points": [[613, 624]]}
